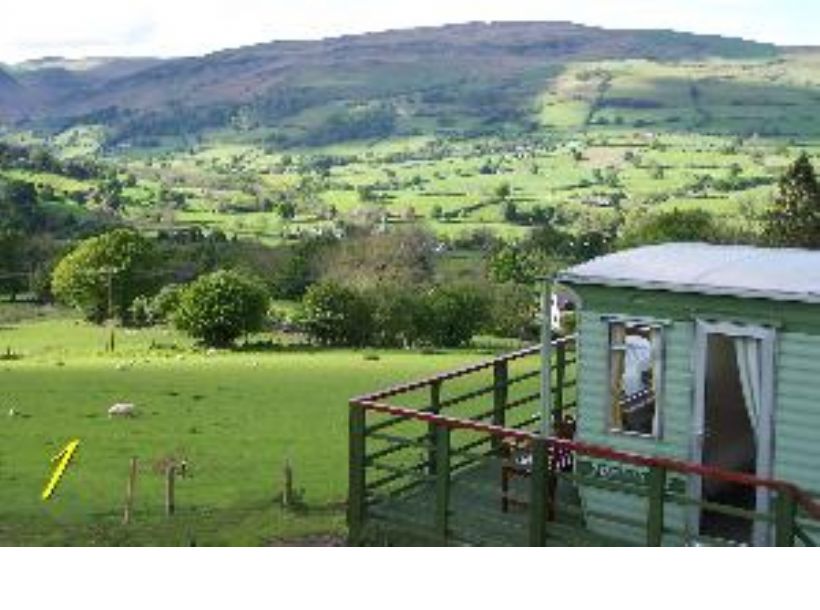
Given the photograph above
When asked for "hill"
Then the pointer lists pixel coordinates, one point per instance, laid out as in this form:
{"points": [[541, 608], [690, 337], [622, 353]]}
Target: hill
{"points": [[469, 78], [12, 96]]}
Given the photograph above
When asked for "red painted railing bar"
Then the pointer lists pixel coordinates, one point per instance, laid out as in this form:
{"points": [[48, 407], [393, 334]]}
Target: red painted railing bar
{"points": [[808, 504]]}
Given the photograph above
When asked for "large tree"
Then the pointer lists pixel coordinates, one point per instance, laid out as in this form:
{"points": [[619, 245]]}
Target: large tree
{"points": [[104, 272], [404, 256], [794, 219]]}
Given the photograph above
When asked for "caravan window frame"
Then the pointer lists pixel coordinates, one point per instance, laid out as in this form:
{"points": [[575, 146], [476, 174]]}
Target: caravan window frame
{"points": [[658, 327]]}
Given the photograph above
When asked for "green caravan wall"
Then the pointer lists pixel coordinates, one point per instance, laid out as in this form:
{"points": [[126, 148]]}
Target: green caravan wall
{"points": [[592, 417], [797, 383], [797, 410]]}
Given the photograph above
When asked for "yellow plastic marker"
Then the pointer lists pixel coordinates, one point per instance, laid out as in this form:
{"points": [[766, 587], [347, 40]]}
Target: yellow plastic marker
{"points": [[65, 457]]}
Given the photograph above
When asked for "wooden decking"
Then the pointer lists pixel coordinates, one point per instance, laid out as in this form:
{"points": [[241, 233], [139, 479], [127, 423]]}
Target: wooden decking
{"points": [[477, 517]]}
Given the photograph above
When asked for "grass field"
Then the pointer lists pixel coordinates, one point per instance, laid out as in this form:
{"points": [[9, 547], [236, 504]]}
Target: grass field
{"points": [[609, 136], [235, 417]]}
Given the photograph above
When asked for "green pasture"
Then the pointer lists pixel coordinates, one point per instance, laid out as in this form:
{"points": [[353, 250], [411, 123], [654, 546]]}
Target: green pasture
{"points": [[645, 131], [235, 417]]}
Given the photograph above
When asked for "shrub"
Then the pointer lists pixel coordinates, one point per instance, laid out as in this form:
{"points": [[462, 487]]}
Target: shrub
{"points": [[453, 314], [140, 312], [512, 312], [398, 315], [332, 314], [674, 226], [165, 304], [219, 307]]}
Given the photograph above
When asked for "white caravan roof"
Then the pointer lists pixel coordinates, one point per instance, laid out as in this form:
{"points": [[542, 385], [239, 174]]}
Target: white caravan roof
{"points": [[784, 274]]}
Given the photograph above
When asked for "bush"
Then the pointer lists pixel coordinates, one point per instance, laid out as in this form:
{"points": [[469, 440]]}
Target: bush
{"points": [[219, 307], [398, 315], [453, 314], [675, 226], [140, 312], [332, 314], [512, 312], [81, 277], [165, 304]]}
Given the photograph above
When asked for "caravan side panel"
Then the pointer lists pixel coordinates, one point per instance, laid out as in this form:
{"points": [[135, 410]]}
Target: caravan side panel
{"points": [[676, 413]]}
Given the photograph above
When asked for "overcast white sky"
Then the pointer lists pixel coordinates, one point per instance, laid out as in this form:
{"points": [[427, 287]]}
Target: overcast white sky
{"points": [[81, 28]]}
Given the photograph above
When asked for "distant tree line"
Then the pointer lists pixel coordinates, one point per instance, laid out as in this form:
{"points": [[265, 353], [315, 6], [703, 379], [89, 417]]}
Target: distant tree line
{"points": [[379, 285]]}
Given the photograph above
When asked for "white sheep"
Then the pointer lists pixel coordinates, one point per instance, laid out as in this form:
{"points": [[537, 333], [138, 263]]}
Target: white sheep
{"points": [[123, 409]]}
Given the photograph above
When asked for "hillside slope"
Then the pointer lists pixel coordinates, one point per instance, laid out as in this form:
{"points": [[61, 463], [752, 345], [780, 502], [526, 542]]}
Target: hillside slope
{"points": [[12, 97], [467, 77]]}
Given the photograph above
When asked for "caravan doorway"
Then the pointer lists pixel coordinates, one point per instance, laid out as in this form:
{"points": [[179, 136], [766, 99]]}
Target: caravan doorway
{"points": [[733, 426]]}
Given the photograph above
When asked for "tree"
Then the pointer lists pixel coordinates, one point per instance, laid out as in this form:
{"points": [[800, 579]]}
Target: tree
{"points": [[542, 253], [509, 211], [401, 256], [794, 219], [286, 210], [502, 192], [12, 263], [220, 307], [107, 271], [18, 206], [332, 314], [367, 193]]}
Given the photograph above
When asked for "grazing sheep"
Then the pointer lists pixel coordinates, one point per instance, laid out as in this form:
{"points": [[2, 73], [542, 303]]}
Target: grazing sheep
{"points": [[122, 409], [12, 412]]}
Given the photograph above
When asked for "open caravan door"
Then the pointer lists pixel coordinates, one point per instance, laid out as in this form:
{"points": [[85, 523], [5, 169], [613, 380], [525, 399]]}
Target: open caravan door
{"points": [[733, 427]]}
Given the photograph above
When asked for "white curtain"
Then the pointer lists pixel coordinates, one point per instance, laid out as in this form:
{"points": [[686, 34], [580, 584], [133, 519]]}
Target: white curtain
{"points": [[749, 365]]}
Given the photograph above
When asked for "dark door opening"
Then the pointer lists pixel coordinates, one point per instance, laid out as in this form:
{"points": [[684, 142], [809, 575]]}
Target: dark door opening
{"points": [[729, 442]]}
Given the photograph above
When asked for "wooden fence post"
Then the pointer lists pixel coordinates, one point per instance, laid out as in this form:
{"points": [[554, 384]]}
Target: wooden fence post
{"points": [[356, 474], [287, 485], [170, 476], [560, 376], [538, 492], [785, 513], [442, 482], [656, 480], [500, 395], [129, 492], [435, 407]]}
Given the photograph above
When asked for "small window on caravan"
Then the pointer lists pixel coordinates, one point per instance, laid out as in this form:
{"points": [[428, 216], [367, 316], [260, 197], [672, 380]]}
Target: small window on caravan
{"points": [[635, 375]]}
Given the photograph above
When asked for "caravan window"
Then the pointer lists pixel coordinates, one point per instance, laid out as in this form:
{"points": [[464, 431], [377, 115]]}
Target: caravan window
{"points": [[635, 375]]}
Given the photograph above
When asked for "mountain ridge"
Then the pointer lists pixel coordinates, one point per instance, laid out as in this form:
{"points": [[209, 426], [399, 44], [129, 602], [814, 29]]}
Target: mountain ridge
{"points": [[475, 64]]}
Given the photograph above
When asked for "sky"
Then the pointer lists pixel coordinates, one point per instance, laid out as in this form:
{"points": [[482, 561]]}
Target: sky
{"points": [[85, 28]]}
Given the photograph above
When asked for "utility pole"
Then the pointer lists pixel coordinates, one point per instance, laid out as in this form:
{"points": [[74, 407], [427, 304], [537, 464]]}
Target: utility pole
{"points": [[110, 309], [109, 280]]}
